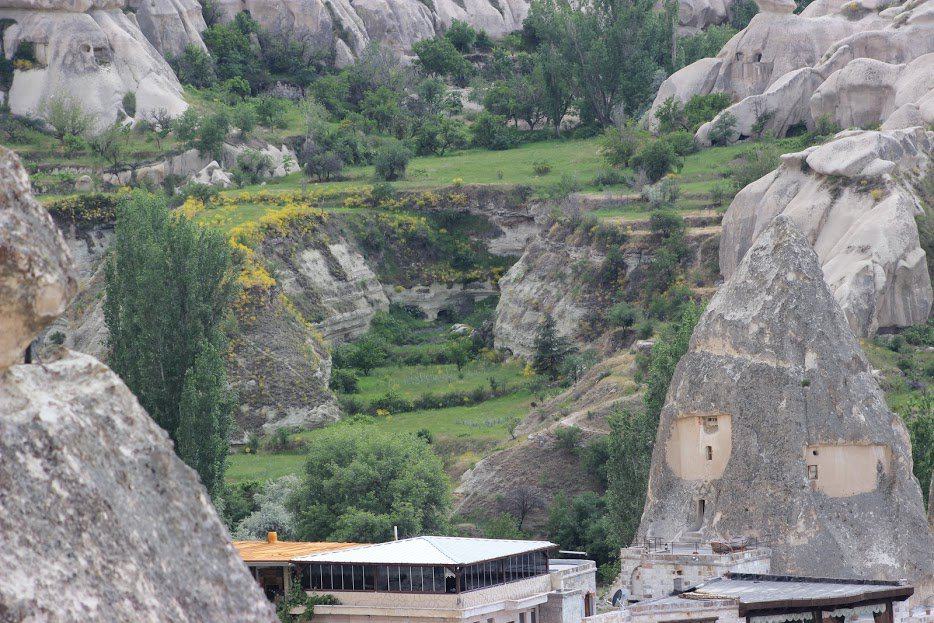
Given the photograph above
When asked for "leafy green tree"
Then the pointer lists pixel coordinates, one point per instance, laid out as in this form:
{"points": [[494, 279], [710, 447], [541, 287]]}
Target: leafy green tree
{"points": [[656, 159], [633, 433], [918, 414], [169, 285], [234, 53], [391, 160], [358, 484], [550, 349], [490, 131], [204, 416], [67, 117], [582, 524], [553, 73], [723, 129], [438, 56], [367, 353], [461, 35], [194, 66], [457, 351], [210, 135], [702, 108]]}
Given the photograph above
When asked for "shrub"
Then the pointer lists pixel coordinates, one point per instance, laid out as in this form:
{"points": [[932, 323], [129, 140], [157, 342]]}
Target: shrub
{"points": [[461, 35], [86, 209], [568, 438], [67, 117], [244, 117], [619, 145], [722, 130], [391, 160], [270, 111], [129, 103], [440, 57], [670, 115], [611, 177], [622, 315], [541, 168], [656, 159], [825, 126], [252, 167], [57, 338], [720, 193], [753, 164], [195, 67], [682, 142], [741, 12], [702, 108], [319, 162], [665, 192], [490, 131]]}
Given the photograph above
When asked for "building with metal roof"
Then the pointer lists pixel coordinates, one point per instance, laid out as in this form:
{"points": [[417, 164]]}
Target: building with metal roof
{"points": [[450, 580], [270, 561], [763, 598]]}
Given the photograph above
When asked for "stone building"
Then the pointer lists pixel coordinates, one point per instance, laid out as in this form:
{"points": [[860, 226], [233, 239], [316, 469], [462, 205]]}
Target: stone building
{"points": [[652, 569], [450, 580]]}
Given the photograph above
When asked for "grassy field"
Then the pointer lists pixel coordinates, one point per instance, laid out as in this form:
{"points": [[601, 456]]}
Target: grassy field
{"points": [[476, 425], [412, 381]]}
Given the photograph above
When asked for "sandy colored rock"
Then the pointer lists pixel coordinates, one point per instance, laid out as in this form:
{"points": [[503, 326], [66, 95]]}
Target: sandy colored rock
{"points": [[774, 427], [856, 201], [100, 55], [36, 271], [170, 25], [100, 520]]}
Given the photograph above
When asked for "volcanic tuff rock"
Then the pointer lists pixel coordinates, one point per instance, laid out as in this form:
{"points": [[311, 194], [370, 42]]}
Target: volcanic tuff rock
{"points": [[856, 201], [170, 25], [36, 278], [785, 69], [86, 476], [775, 427], [93, 50]]}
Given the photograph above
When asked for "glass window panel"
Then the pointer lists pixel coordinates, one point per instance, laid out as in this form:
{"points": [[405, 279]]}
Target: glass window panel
{"points": [[347, 574], [405, 578], [417, 580], [369, 580], [393, 578], [358, 577], [440, 586]]}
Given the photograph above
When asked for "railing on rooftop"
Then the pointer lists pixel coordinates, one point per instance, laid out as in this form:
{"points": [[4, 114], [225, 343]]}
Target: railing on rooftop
{"points": [[701, 546]]}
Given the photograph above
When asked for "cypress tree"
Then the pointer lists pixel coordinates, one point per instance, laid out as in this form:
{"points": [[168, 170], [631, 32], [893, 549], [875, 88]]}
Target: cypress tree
{"points": [[550, 349]]}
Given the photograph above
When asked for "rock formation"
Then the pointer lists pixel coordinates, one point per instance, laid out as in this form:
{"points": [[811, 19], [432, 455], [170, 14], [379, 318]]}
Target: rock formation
{"points": [[784, 70], [100, 520], [170, 25], [91, 49], [775, 427], [855, 198]]}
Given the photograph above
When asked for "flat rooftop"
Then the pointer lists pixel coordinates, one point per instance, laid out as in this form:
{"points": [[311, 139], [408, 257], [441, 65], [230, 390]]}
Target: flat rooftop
{"points": [[284, 551], [430, 550], [769, 592]]}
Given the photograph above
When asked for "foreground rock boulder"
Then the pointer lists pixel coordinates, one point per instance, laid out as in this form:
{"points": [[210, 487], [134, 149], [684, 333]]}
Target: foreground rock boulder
{"points": [[99, 520], [774, 427], [36, 279], [856, 199]]}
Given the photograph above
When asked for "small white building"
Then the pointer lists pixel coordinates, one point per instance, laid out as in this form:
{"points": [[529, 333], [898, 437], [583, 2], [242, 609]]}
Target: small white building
{"points": [[433, 579]]}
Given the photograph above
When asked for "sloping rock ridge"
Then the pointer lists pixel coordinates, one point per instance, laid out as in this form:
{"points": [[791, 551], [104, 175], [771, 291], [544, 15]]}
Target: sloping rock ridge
{"points": [[857, 64], [775, 427], [93, 50], [855, 199], [100, 521]]}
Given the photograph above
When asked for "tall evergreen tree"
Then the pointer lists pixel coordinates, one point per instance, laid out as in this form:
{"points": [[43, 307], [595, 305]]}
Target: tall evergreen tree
{"points": [[170, 283], [550, 349]]}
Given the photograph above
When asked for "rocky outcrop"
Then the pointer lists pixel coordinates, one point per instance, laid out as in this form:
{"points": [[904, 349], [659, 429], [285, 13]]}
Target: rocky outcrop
{"points": [[437, 298], [94, 53], [87, 476], [784, 70], [36, 278], [170, 25], [775, 427], [855, 199]]}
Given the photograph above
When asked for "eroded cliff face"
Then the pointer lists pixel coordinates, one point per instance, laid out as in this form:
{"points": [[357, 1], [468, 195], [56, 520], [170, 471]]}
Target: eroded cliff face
{"points": [[856, 200], [855, 63], [94, 51], [86, 475], [775, 427]]}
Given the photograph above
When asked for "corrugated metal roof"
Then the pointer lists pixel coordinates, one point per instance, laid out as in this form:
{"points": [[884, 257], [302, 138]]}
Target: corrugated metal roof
{"points": [[764, 591], [284, 551], [430, 550]]}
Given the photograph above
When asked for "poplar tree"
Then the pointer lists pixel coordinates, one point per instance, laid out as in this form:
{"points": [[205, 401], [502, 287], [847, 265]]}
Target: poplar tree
{"points": [[169, 285]]}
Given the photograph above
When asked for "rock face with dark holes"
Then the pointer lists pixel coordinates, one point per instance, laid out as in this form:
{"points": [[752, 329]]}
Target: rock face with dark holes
{"points": [[775, 428], [99, 520], [94, 53], [856, 199]]}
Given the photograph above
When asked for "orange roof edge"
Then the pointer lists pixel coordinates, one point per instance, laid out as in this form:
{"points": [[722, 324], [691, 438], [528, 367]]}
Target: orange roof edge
{"points": [[284, 551]]}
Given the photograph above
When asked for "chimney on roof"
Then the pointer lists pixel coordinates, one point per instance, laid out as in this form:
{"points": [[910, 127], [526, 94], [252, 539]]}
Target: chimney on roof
{"points": [[272, 537], [395, 532]]}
